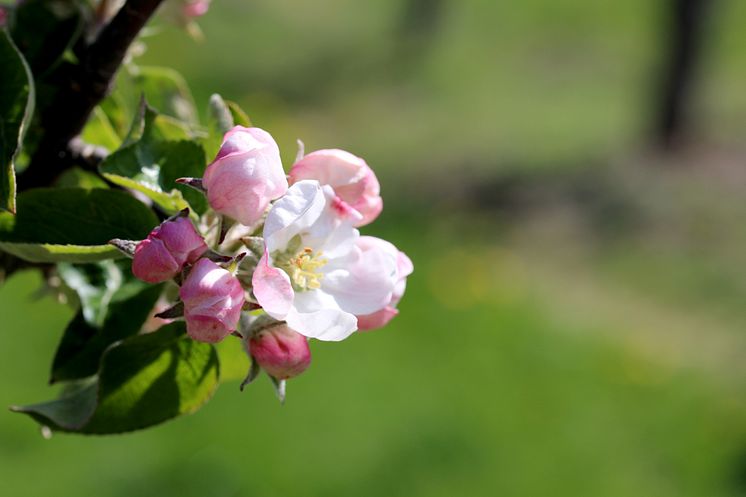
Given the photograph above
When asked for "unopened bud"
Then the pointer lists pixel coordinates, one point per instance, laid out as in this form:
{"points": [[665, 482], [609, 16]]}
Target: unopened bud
{"points": [[245, 175], [212, 298], [167, 249], [280, 351], [358, 193]]}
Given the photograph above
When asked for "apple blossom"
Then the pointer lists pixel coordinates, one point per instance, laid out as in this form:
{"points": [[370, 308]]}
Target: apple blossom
{"points": [[245, 175], [280, 351], [404, 268], [162, 255], [306, 277], [356, 188], [212, 298]]}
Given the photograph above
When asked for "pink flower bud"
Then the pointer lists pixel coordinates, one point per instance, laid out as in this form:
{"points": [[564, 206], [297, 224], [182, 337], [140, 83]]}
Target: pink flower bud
{"points": [[280, 351], [404, 268], [354, 183], [195, 8], [212, 298], [245, 175], [167, 248]]}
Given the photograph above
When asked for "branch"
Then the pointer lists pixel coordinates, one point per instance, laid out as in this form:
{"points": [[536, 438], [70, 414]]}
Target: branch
{"points": [[88, 84]]}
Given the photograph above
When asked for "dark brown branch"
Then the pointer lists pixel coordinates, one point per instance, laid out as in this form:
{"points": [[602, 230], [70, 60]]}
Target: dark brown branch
{"points": [[88, 84]]}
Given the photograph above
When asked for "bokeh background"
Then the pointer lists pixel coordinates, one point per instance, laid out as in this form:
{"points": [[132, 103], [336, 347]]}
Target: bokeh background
{"points": [[575, 324]]}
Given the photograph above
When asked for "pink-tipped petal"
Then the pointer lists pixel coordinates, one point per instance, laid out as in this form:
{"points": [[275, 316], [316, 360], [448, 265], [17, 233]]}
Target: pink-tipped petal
{"points": [[398, 279], [378, 319], [272, 289], [353, 181]]}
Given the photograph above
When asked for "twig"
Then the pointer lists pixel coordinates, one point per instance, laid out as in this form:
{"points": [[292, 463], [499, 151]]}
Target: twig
{"points": [[88, 84]]}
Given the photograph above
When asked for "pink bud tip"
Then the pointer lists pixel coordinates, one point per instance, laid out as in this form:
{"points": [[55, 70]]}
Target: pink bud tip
{"points": [[166, 250], [246, 175], [195, 8]]}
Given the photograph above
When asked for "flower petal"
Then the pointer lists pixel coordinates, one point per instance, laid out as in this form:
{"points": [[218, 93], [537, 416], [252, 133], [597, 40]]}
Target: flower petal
{"points": [[272, 289], [327, 324], [364, 282], [292, 214], [376, 320]]}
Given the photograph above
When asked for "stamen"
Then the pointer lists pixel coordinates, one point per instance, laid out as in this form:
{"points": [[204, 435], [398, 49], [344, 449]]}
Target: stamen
{"points": [[303, 268]]}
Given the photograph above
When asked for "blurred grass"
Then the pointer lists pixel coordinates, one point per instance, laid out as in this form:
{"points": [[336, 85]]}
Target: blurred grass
{"points": [[485, 394], [520, 365]]}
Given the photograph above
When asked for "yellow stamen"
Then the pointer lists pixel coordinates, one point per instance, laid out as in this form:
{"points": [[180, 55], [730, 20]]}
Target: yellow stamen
{"points": [[303, 269]]}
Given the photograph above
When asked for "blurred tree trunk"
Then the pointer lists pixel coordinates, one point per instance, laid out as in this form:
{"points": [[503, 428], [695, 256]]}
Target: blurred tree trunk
{"points": [[685, 36], [418, 25]]}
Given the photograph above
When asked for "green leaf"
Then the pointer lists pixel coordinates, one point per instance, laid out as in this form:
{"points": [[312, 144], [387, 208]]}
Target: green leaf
{"points": [[167, 91], [167, 94], [99, 131], [76, 177], [72, 224], [151, 163], [234, 361], [95, 285], [44, 29], [16, 106], [80, 350], [115, 109], [46, 252], [142, 381]]}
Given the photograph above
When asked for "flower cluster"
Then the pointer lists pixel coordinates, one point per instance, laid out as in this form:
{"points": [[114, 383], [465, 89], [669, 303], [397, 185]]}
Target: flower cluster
{"points": [[287, 262]]}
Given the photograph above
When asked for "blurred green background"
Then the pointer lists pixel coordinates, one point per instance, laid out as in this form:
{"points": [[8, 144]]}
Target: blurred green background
{"points": [[575, 324]]}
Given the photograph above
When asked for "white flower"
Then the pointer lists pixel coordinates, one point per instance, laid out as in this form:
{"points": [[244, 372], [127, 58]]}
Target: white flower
{"points": [[312, 274]]}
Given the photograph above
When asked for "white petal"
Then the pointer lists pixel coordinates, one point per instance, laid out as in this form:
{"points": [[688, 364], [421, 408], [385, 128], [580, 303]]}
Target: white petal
{"points": [[327, 324], [314, 300], [366, 284], [292, 214]]}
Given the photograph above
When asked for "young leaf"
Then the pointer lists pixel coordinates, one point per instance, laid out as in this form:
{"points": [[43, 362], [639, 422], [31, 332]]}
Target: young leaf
{"points": [[44, 29], [239, 116], [151, 164], [80, 350], [222, 115], [167, 91], [142, 381], [99, 131], [73, 224], [219, 121], [95, 285], [16, 107]]}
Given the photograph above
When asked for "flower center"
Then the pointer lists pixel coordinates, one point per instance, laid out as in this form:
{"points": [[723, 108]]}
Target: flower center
{"points": [[303, 268]]}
